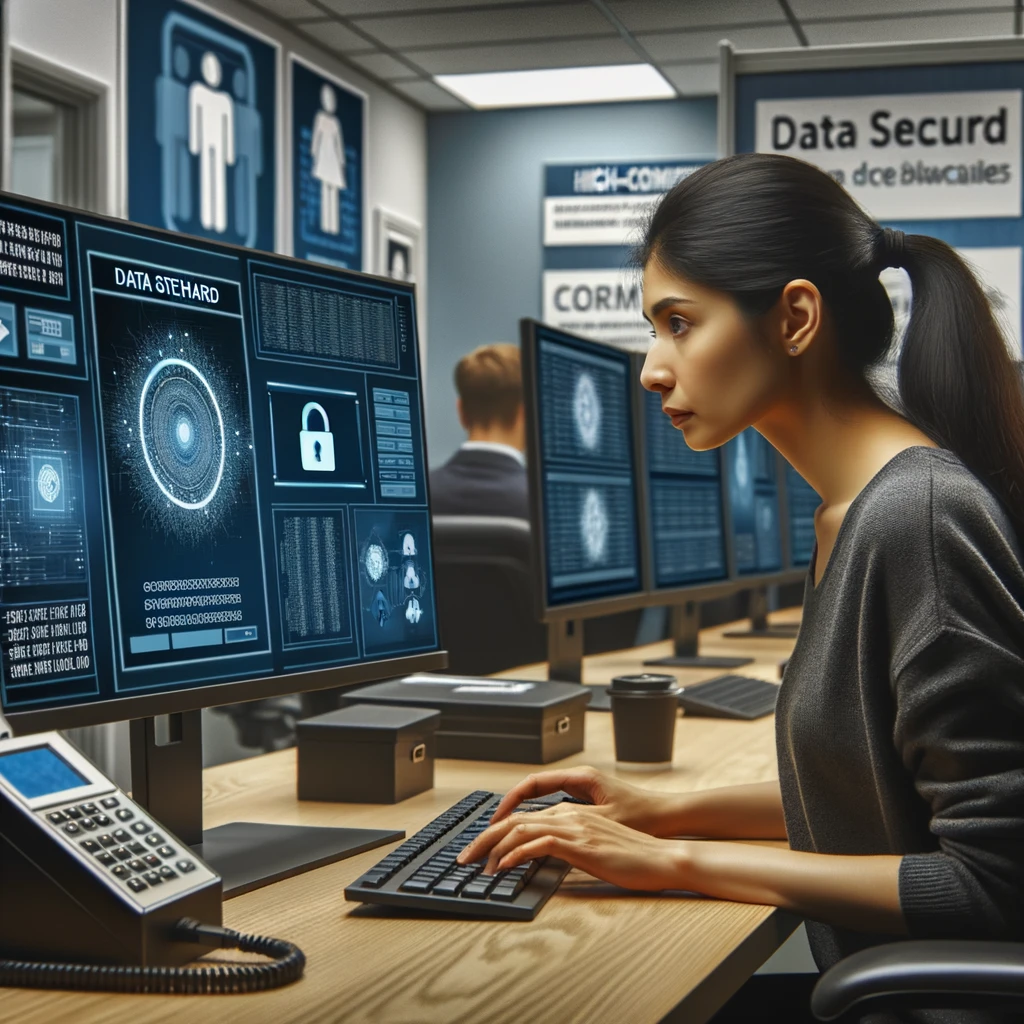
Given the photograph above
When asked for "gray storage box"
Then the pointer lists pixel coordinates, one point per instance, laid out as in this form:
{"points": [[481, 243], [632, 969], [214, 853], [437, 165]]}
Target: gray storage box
{"points": [[367, 754]]}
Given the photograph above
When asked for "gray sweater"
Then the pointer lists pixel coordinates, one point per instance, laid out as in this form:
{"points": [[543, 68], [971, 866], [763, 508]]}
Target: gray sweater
{"points": [[900, 721]]}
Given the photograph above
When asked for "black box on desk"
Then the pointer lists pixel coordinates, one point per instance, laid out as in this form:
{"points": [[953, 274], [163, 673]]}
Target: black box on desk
{"points": [[492, 719], [367, 754]]}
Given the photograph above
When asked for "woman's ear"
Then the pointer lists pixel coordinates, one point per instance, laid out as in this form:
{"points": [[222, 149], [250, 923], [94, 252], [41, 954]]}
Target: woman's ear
{"points": [[800, 313]]}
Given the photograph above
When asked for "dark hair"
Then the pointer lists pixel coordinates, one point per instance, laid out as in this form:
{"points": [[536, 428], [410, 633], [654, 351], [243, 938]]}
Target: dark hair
{"points": [[749, 224], [490, 383]]}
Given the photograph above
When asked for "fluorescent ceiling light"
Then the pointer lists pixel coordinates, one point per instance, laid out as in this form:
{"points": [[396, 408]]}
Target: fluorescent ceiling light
{"points": [[553, 86]]}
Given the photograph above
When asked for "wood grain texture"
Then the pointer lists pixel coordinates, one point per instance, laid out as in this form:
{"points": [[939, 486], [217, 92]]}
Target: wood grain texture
{"points": [[594, 954]]}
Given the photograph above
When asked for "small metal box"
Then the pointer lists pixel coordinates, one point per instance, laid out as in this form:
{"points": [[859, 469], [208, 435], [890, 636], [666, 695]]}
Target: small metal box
{"points": [[367, 754]]}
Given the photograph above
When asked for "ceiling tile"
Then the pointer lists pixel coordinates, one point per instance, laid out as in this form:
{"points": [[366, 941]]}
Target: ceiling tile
{"points": [[680, 46], [429, 96], [890, 30], [351, 8], [289, 8], [521, 56], [652, 15], [334, 36], [924, 8], [697, 79], [383, 65], [505, 25]]}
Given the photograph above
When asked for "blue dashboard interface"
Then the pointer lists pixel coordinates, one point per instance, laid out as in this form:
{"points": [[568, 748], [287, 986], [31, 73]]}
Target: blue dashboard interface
{"points": [[587, 471], [684, 490], [212, 461], [752, 483], [803, 501]]}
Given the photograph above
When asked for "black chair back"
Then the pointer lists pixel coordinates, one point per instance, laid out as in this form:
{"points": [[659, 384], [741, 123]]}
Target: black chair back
{"points": [[485, 594]]}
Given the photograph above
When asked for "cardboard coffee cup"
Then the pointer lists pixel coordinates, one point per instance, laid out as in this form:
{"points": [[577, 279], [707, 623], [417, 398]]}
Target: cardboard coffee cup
{"points": [[644, 710]]}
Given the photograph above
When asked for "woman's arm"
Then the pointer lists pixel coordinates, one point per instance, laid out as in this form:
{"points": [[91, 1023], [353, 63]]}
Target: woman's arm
{"points": [[732, 812], [847, 891]]}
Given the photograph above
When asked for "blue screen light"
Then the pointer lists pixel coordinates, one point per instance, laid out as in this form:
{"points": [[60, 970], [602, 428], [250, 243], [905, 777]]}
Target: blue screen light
{"points": [[39, 771]]}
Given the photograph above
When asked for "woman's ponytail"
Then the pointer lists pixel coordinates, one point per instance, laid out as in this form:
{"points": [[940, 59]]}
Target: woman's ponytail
{"points": [[957, 380], [749, 224]]}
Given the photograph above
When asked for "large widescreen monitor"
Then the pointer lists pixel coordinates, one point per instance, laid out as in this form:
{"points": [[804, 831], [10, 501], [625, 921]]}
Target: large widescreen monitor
{"points": [[751, 473], [213, 473], [685, 514], [580, 412]]}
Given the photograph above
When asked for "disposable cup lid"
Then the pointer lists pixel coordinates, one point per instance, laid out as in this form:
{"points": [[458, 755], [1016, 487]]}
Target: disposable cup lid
{"points": [[644, 684]]}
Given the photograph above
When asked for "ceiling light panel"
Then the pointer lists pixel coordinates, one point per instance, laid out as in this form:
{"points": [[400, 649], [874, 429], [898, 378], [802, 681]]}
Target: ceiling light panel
{"points": [[558, 86]]}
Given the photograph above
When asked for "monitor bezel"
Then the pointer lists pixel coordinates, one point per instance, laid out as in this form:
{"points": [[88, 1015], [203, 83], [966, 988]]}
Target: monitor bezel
{"points": [[116, 709], [593, 607]]}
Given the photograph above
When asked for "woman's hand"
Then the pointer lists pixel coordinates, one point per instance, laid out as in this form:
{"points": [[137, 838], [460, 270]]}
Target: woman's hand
{"points": [[586, 838], [618, 801]]}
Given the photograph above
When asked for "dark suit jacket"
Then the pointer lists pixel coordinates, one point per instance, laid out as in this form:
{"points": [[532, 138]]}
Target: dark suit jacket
{"points": [[479, 483]]}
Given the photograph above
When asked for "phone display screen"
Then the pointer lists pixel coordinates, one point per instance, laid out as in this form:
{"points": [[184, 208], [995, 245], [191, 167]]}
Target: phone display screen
{"points": [[39, 771]]}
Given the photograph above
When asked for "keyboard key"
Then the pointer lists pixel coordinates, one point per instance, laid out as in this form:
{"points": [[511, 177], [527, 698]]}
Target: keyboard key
{"points": [[90, 846], [450, 886], [154, 839], [106, 840], [73, 812], [136, 884], [137, 848], [121, 853], [166, 851], [56, 817], [88, 809], [72, 829], [122, 835], [417, 885], [167, 873], [87, 823], [138, 866], [153, 877], [152, 860], [506, 892], [185, 866], [120, 871], [106, 858], [102, 820], [140, 828], [109, 802], [123, 814], [479, 887]]}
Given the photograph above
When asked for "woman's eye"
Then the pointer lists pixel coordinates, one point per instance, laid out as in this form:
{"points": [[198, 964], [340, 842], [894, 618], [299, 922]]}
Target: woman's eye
{"points": [[677, 326]]}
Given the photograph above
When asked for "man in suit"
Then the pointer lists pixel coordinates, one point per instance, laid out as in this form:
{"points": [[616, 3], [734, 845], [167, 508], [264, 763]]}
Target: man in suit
{"points": [[487, 475]]}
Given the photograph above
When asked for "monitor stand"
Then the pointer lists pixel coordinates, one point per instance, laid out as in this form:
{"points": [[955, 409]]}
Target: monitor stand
{"points": [[757, 611], [685, 627], [167, 779], [565, 650]]}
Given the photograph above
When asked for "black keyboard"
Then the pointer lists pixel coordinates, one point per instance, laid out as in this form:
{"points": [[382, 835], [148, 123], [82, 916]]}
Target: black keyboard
{"points": [[422, 874], [730, 697]]}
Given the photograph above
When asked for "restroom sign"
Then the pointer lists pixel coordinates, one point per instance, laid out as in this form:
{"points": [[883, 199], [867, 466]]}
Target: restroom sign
{"points": [[921, 156]]}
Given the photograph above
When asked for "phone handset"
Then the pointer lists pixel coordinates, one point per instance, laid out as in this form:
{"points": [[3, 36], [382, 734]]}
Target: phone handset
{"points": [[98, 895]]}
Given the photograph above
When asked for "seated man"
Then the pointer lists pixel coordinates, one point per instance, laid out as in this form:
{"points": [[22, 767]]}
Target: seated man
{"points": [[487, 475]]}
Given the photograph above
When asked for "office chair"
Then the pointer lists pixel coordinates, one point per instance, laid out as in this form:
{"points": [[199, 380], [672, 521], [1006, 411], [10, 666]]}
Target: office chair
{"points": [[485, 594], [935, 974]]}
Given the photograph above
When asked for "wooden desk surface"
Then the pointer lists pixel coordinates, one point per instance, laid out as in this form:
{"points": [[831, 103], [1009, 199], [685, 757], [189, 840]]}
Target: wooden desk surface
{"points": [[594, 954]]}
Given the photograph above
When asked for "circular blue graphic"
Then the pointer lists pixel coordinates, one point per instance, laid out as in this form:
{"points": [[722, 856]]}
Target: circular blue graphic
{"points": [[182, 433], [48, 483]]}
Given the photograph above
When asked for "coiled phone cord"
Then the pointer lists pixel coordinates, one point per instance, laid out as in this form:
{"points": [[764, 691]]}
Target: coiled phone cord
{"points": [[288, 964]]}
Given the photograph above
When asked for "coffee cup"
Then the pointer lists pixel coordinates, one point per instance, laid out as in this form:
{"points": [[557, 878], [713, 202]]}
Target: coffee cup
{"points": [[644, 710]]}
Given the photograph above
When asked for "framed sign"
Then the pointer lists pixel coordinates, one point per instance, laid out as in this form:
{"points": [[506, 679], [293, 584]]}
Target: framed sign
{"points": [[202, 122], [328, 167], [398, 246]]}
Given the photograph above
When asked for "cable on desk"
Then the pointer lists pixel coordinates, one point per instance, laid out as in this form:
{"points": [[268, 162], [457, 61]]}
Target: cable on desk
{"points": [[288, 964]]}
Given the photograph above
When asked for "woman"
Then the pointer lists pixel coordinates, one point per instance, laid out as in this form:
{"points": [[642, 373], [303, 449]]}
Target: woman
{"points": [[900, 724]]}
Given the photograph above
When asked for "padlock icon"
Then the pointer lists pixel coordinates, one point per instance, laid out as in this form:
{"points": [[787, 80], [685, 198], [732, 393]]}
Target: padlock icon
{"points": [[316, 446]]}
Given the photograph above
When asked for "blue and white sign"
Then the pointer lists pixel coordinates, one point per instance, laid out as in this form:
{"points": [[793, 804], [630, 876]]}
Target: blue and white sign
{"points": [[943, 161], [604, 204], [593, 215], [328, 162], [202, 98]]}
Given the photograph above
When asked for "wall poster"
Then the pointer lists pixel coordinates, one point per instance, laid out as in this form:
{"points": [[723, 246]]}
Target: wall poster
{"points": [[202, 120], [925, 153], [593, 215], [328, 167]]}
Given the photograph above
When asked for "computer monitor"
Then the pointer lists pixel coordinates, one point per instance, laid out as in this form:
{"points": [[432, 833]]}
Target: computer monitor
{"points": [[584, 494], [214, 483], [802, 501], [686, 540]]}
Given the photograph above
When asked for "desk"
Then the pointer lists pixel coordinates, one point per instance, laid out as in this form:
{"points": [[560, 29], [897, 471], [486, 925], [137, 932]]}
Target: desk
{"points": [[594, 954]]}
